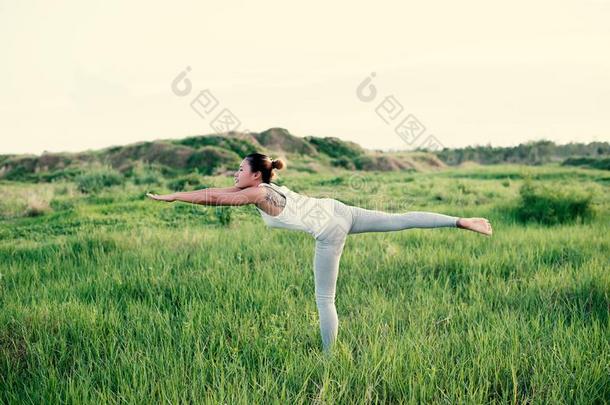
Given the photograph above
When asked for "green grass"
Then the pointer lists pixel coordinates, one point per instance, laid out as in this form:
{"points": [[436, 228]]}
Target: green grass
{"points": [[113, 298]]}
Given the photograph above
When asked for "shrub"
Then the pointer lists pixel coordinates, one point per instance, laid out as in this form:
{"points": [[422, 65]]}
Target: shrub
{"points": [[61, 174], [144, 173], [97, 179], [19, 168], [364, 163], [242, 147], [207, 159], [344, 162], [602, 164], [157, 152], [335, 147], [190, 181], [552, 205]]}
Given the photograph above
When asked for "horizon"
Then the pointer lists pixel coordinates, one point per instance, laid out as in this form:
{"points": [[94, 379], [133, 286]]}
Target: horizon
{"points": [[388, 150], [457, 78]]}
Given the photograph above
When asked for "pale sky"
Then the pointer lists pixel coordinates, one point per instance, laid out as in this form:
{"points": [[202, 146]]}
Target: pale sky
{"points": [[80, 75]]}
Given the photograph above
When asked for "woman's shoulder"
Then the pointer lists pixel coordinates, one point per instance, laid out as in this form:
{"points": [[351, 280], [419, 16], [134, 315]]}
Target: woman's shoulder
{"points": [[272, 185]]}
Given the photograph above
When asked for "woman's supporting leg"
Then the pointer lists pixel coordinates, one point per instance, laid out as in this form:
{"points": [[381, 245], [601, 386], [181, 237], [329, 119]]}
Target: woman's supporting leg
{"points": [[365, 220], [326, 269]]}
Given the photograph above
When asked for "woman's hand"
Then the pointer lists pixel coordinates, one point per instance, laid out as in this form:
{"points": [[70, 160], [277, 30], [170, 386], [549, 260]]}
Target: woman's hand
{"points": [[166, 197]]}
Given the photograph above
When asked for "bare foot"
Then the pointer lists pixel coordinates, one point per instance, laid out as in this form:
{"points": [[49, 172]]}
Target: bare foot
{"points": [[480, 225]]}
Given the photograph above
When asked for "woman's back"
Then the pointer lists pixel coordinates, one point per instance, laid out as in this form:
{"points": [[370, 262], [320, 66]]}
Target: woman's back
{"points": [[274, 202], [295, 211]]}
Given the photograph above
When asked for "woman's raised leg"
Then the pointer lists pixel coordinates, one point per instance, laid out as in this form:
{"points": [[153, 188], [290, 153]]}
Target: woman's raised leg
{"points": [[365, 220]]}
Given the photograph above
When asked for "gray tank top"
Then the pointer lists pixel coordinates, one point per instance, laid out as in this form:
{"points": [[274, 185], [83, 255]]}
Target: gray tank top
{"points": [[301, 212]]}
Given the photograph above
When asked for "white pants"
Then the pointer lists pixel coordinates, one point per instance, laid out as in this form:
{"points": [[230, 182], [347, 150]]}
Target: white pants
{"points": [[347, 220]]}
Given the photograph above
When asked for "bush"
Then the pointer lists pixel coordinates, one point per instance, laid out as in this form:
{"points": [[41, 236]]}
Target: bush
{"points": [[207, 159], [336, 148], [552, 205], [602, 164], [191, 181], [56, 175], [241, 147], [343, 162], [97, 179], [144, 173], [364, 163]]}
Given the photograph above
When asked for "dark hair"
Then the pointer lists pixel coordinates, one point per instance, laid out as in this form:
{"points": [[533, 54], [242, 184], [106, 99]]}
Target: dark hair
{"points": [[265, 165]]}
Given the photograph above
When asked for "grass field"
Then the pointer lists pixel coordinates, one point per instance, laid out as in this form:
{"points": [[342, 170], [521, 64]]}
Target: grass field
{"points": [[114, 298]]}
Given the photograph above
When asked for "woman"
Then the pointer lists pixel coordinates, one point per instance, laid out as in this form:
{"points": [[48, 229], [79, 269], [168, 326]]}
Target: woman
{"points": [[328, 220]]}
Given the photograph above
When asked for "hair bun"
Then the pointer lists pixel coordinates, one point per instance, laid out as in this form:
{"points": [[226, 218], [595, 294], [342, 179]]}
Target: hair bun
{"points": [[277, 164]]}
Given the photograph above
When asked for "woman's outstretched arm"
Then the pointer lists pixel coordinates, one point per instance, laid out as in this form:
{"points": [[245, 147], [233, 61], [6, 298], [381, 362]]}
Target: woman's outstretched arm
{"points": [[208, 196]]}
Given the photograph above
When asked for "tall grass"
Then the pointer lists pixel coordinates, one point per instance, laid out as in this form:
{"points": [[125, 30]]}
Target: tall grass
{"points": [[126, 300], [96, 179], [553, 205]]}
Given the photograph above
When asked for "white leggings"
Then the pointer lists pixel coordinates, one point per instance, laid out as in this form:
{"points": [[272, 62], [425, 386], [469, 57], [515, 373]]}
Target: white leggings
{"points": [[347, 220]]}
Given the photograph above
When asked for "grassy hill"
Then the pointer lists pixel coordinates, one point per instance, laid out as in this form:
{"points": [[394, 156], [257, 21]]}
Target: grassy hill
{"points": [[214, 154], [219, 154]]}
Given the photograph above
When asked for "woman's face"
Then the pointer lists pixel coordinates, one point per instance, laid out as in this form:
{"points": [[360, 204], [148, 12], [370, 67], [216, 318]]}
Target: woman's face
{"points": [[244, 177]]}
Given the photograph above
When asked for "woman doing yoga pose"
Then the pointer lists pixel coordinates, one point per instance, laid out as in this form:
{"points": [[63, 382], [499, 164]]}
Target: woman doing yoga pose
{"points": [[328, 220]]}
